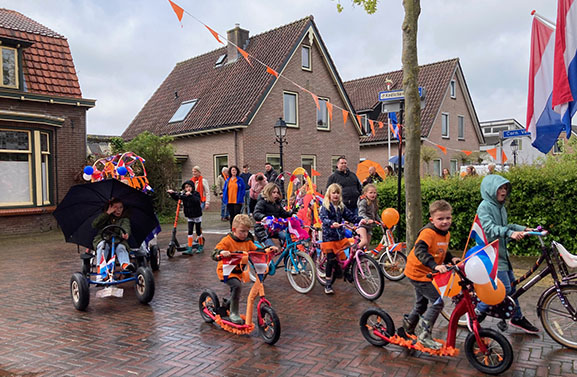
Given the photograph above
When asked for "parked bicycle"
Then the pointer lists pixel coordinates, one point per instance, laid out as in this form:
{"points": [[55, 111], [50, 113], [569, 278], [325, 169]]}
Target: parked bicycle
{"points": [[390, 254]]}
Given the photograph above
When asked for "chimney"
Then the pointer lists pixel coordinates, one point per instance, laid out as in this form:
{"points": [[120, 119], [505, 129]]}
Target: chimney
{"points": [[239, 37]]}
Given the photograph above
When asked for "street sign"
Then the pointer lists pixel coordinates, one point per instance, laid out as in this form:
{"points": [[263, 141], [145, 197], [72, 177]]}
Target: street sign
{"points": [[515, 133], [396, 95]]}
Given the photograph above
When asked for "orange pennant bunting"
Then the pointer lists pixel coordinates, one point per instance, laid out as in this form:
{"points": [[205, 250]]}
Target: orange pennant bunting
{"points": [[381, 125], [345, 116], [504, 157], [493, 153], [443, 149], [467, 153], [315, 173], [244, 54], [371, 123], [359, 119], [178, 10], [214, 34], [330, 109], [316, 99], [271, 71]]}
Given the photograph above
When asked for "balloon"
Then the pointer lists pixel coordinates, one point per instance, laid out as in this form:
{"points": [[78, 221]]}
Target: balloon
{"points": [[475, 271], [121, 170], [454, 287], [88, 170], [489, 295], [390, 217], [87, 177]]}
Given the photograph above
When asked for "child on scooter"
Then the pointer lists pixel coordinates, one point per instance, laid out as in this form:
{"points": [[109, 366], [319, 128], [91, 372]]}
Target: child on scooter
{"points": [[239, 239], [429, 254], [193, 212]]}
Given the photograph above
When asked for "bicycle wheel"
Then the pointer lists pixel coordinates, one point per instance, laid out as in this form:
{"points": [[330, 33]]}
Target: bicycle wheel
{"points": [[376, 320], [368, 277], [499, 354], [270, 327], [301, 274], [393, 265], [448, 309], [320, 264], [555, 318]]}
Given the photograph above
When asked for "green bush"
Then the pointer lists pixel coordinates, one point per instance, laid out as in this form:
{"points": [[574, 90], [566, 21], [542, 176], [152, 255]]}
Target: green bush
{"points": [[541, 195]]}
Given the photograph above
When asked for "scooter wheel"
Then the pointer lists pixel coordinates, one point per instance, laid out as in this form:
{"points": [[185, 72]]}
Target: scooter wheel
{"points": [[170, 251], [270, 327], [209, 300], [376, 320]]}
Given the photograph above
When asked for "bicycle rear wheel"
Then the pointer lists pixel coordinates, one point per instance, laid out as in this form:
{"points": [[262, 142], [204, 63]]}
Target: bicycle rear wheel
{"points": [[393, 265], [369, 279], [302, 273], [556, 319], [320, 264]]}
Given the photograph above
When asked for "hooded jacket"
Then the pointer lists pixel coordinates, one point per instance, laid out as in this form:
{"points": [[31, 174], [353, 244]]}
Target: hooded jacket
{"points": [[263, 209], [493, 217], [191, 202], [351, 185]]}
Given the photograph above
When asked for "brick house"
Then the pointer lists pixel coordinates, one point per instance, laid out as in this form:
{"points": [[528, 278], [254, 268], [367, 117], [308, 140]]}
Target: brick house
{"points": [[42, 123], [221, 110], [448, 118]]}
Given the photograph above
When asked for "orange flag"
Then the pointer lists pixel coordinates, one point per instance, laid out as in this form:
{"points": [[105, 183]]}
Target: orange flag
{"points": [[316, 99], [271, 71], [345, 116], [330, 109], [359, 119], [493, 153], [371, 123], [381, 125], [178, 10], [467, 152], [244, 54], [315, 173], [214, 34], [443, 149], [504, 157]]}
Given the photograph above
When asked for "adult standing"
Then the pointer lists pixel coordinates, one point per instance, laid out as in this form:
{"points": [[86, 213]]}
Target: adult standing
{"points": [[256, 183], [245, 175], [348, 180], [269, 173], [373, 177], [201, 186], [233, 193], [221, 180]]}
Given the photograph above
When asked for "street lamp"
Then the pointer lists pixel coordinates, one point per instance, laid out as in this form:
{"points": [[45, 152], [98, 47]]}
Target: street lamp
{"points": [[280, 129], [515, 149]]}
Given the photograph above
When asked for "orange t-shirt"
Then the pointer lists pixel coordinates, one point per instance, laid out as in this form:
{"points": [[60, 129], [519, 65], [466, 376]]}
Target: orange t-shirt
{"points": [[232, 190], [437, 246]]}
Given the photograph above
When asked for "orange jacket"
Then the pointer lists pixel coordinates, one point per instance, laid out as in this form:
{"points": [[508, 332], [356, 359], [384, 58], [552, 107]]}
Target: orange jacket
{"points": [[429, 251], [231, 243]]}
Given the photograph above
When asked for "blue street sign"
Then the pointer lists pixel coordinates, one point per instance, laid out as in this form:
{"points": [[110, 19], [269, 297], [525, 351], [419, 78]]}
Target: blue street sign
{"points": [[515, 133], [396, 95]]}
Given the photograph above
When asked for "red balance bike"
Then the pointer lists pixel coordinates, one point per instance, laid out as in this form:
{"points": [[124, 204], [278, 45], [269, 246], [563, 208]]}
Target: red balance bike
{"points": [[487, 350]]}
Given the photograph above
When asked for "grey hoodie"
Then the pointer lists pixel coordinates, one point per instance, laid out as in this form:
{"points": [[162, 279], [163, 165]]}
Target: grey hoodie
{"points": [[493, 217]]}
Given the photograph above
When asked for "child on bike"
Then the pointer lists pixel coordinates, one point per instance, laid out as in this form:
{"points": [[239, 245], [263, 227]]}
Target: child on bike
{"points": [[332, 215], [193, 212], [429, 254], [239, 239], [368, 210], [269, 204], [493, 216], [114, 214]]}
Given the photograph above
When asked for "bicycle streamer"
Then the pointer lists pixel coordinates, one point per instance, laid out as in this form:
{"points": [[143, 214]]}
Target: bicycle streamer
{"points": [[413, 343]]}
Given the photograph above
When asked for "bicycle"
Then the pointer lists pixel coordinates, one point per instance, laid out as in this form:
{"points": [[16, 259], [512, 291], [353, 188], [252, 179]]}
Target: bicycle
{"points": [[359, 268], [556, 307], [390, 254], [268, 321], [487, 350]]}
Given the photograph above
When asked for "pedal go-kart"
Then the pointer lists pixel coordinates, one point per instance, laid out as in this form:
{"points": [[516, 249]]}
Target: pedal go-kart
{"points": [[487, 350], [108, 276], [267, 320]]}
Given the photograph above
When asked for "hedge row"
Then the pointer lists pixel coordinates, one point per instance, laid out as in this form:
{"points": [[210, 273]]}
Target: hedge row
{"points": [[541, 195]]}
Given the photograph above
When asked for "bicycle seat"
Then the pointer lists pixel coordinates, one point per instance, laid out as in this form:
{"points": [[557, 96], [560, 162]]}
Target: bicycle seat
{"points": [[568, 258]]}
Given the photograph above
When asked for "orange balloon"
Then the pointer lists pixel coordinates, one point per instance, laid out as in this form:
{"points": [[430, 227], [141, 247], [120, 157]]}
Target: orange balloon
{"points": [[390, 217], [489, 295], [454, 287]]}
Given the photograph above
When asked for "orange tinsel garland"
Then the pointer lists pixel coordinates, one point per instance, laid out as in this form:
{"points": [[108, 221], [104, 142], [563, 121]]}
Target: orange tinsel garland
{"points": [[234, 330], [414, 344]]}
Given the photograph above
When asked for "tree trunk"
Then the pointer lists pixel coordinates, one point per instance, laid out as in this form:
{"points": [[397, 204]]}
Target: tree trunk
{"points": [[412, 121]]}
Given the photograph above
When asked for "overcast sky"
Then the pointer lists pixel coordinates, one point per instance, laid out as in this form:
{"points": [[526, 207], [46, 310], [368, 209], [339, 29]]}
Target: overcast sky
{"points": [[124, 49]]}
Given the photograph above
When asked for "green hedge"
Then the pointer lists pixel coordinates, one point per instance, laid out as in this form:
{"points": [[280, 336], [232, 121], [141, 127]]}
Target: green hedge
{"points": [[542, 195]]}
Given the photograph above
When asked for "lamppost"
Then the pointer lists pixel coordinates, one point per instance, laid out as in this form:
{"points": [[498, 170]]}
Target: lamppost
{"points": [[515, 149], [280, 129]]}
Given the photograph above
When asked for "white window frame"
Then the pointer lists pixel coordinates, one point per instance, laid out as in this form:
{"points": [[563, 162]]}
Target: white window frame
{"points": [[313, 166], [334, 160], [454, 166], [453, 89], [443, 117], [182, 116], [440, 170], [310, 62], [274, 160], [322, 102], [461, 127], [217, 168], [296, 95]]}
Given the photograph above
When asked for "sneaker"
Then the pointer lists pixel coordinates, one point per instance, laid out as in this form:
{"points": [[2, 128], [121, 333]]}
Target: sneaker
{"points": [[329, 290], [480, 318], [188, 251], [293, 270], [423, 332], [524, 324], [236, 319], [128, 267], [408, 326]]}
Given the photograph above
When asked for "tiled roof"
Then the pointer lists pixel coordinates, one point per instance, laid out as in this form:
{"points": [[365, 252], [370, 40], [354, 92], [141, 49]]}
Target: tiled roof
{"points": [[227, 95], [47, 64], [433, 77]]}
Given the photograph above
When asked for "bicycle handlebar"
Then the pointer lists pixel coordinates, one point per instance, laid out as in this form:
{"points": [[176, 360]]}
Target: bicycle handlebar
{"points": [[542, 233]]}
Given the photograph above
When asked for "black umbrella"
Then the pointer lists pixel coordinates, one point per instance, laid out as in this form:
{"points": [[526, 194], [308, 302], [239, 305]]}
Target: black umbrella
{"points": [[83, 203]]}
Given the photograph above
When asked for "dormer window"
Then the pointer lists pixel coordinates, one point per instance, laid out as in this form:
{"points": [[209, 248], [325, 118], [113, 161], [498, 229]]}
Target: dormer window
{"points": [[183, 111], [9, 67], [220, 61], [306, 58]]}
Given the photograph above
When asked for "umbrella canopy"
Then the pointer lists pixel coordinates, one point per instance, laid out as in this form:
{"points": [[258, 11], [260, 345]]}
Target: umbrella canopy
{"points": [[395, 160], [363, 169], [83, 203]]}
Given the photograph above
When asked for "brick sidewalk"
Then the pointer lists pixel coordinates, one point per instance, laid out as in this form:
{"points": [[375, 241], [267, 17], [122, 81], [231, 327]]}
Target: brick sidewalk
{"points": [[42, 334]]}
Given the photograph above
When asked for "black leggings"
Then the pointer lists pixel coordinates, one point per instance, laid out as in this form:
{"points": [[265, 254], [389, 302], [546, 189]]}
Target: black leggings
{"points": [[191, 226], [233, 210], [330, 267]]}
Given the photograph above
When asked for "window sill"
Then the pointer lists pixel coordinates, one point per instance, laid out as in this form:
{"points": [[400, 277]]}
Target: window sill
{"points": [[26, 211]]}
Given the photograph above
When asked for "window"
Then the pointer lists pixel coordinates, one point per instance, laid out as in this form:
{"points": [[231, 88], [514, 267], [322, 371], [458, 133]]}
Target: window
{"points": [[323, 115], [274, 160], [453, 89], [365, 125], [334, 160], [445, 125], [454, 166], [309, 162], [25, 166], [306, 57], [9, 67], [183, 111], [220, 61], [290, 101], [461, 127], [436, 168], [220, 161]]}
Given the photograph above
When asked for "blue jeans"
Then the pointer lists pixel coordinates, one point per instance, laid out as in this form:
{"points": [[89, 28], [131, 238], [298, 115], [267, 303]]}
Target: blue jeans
{"points": [[223, 209], [506, 277], [280, 235], [120, 251]]}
